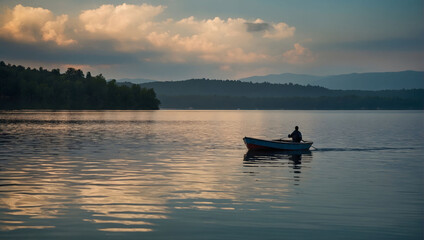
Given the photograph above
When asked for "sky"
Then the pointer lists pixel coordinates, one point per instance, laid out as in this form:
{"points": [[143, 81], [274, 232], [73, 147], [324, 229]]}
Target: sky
{"points": [[219, 39]]}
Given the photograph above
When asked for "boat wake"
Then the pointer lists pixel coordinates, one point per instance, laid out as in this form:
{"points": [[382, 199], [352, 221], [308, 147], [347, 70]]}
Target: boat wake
{"points": [[357, 149]]}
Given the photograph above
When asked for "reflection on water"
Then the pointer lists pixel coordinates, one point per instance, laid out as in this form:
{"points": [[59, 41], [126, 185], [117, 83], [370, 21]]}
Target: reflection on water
{"points": [[114, 192], [101, 173], [258, 158], [124, 171], [285, 159]]}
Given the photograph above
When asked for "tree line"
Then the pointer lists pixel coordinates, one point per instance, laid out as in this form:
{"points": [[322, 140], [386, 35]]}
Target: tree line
{"points": [[231, 94], [236, 88], [26, 88]]}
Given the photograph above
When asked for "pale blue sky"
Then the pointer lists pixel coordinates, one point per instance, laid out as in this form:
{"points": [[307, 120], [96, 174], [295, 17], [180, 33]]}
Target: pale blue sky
{"points": [[320, 37]]}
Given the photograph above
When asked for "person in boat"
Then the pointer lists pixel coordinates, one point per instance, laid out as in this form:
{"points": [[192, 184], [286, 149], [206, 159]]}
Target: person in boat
{"points": [[296, 136]]}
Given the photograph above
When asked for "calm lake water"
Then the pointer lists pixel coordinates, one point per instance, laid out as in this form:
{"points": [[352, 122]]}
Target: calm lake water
{"points": [[187, 175]]}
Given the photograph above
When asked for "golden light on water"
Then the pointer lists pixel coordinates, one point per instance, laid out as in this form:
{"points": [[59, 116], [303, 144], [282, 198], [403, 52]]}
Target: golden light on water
{"points": [[11, 228], [125, 229], [128, 222], [115, 195], [132, 192]]}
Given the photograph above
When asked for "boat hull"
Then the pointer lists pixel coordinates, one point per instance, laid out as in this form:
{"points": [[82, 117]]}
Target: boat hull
{"points": [[259, 144]]}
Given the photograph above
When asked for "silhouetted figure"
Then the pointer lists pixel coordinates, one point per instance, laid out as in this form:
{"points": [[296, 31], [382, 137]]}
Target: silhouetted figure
{"points": [[296, 135]]}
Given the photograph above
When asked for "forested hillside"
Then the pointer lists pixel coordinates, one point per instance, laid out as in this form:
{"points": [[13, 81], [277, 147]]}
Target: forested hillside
{"points": [[219, 94], [204, 87], [25, 88]]}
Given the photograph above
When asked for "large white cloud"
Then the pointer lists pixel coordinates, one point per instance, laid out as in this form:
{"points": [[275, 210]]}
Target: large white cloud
{"points": [[135, 28], [298, 55], [143, 31], [126, 22], [28, 24]]}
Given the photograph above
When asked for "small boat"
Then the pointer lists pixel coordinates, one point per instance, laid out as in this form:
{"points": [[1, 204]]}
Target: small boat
{"points": [[279, 144]]}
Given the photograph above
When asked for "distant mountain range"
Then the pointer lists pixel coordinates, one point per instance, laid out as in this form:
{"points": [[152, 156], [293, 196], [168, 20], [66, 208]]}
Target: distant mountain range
{"points": [[355, 81]]}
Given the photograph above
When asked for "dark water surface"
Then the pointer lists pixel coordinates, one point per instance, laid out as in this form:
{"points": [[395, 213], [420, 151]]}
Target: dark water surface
{"points": [[187, 175]]}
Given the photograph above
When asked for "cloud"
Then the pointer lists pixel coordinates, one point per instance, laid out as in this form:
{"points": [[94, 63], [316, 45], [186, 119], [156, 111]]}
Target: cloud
{"points": [[54, 31], [28, 24], [298, 55], [280, 31], [135, 28], [275, 31], [45, 52], [123, 21], [257, 27], [236, 55], [143, 34]]}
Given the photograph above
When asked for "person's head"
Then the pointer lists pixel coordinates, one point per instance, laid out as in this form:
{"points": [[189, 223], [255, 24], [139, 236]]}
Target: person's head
{"points": [[297, 128]]}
